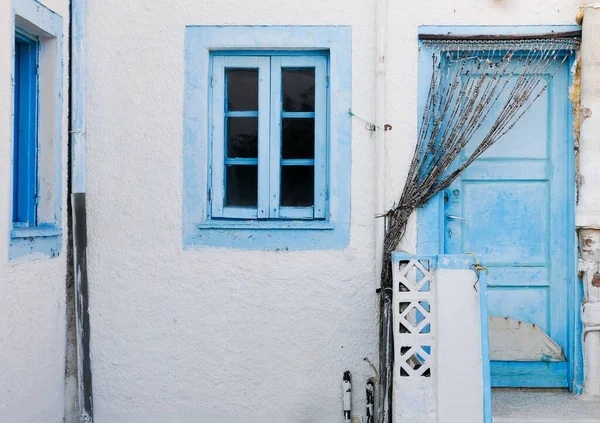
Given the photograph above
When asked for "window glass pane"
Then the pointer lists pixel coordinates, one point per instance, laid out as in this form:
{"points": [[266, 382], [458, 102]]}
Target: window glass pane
{"points": [[298, 90], [297, 186], [242, 137], [297, 138], [242, 185], [242, 89]]}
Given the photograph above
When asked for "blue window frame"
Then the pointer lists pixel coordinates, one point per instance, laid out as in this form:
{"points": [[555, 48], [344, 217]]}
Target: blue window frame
{"points": [[269, 136], [277, 195], [25, 191], [37, 179]]}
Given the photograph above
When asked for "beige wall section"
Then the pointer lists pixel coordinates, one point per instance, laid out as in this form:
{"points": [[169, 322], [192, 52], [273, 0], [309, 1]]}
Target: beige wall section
{"points": [[32, 293], [233, 335], [588, 208]]}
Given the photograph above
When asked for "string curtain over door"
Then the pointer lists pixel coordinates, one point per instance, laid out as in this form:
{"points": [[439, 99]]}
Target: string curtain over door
{"points": [[478, 91]]}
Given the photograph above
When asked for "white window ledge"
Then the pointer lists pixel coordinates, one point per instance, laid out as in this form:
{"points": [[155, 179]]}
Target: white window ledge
{"points": [[267, 225], [35, 232]]}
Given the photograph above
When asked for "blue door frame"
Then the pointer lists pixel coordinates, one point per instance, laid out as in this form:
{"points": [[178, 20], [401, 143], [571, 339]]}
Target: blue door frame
{"points": [[431, 218]]}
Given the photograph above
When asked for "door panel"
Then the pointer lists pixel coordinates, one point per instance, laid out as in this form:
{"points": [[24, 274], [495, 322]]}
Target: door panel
{"points": [[529, 128], [515, 198], [513, 217], [527, 305]]}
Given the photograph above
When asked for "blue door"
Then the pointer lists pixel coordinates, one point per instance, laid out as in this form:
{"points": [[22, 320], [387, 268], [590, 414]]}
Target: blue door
{"points": [[517, 202]]}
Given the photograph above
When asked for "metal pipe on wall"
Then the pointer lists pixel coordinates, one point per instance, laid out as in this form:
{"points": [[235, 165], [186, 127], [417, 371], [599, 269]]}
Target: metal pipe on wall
{"points": [[380, 136], [380, 79], [77, 132]]}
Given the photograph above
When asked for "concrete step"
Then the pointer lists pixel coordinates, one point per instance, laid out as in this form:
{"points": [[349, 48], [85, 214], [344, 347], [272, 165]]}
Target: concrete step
{"points": [[543, 406]]}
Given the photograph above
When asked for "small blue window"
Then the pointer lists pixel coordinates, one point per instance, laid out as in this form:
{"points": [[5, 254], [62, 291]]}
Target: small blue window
{"points": [[37, 179], [25, 192], [269, 136]]}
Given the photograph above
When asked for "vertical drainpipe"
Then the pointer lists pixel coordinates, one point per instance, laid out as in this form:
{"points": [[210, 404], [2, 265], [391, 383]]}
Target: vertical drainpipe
{"points": [[78, 208], [380, 137], [381, 28], [587, 216]]}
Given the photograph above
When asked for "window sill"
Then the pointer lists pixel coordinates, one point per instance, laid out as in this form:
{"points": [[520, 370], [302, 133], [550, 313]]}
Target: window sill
{"points": [[268, 235], [39, 232], [267, 225], [34, 243]]}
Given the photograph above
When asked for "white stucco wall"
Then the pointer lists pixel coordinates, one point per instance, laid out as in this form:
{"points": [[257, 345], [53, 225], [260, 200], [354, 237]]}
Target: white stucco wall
{"points": [[230, 335], [32, 292]]}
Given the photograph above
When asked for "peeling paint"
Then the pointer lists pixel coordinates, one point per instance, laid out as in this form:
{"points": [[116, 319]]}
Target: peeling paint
{"points": [[596, 280], [515, 340], [575, 97]]}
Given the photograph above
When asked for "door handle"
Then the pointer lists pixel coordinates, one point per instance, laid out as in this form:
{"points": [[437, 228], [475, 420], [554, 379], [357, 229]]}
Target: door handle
{"points": [[452, 217]]}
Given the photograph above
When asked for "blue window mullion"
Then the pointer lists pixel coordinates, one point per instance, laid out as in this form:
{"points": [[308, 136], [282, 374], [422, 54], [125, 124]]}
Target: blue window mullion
{"points": [[275, 138], [298, 115], [241, 114], [240, 161], [264, 130], [297, 162]]}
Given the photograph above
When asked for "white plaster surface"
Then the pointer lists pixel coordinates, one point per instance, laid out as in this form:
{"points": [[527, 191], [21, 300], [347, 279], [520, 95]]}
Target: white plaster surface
{"points": [[229, 335], [459, 354], [588, 207], [32, 292], [456, 354]]}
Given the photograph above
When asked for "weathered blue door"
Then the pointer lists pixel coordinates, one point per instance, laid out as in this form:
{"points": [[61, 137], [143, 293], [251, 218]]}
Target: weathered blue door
{"points": [[517, 204]]}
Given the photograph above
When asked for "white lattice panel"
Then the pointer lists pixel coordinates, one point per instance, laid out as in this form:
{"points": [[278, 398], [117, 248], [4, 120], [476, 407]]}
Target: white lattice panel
{"points": [[414, 341], [414, 322], [438, 367]]}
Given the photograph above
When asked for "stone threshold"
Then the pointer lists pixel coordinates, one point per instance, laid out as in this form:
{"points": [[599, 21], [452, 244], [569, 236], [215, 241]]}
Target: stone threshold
{"points": [[543, 406]]}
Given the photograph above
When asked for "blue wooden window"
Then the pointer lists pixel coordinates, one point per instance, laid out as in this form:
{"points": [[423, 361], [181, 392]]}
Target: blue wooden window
{"points": [[25, 191], [37, 140], [269, 136]]}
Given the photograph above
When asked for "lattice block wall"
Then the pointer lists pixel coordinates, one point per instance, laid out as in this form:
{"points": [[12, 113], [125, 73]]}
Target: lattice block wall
{"points": [[439, 340], [414, 340]]}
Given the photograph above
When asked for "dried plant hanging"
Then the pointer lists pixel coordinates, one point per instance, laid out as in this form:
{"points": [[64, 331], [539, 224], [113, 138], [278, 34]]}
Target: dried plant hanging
{"points": [[478, 92]]}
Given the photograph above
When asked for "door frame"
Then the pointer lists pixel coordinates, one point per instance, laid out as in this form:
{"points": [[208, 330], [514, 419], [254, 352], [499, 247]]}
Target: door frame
{"points": [[430, 218]]}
